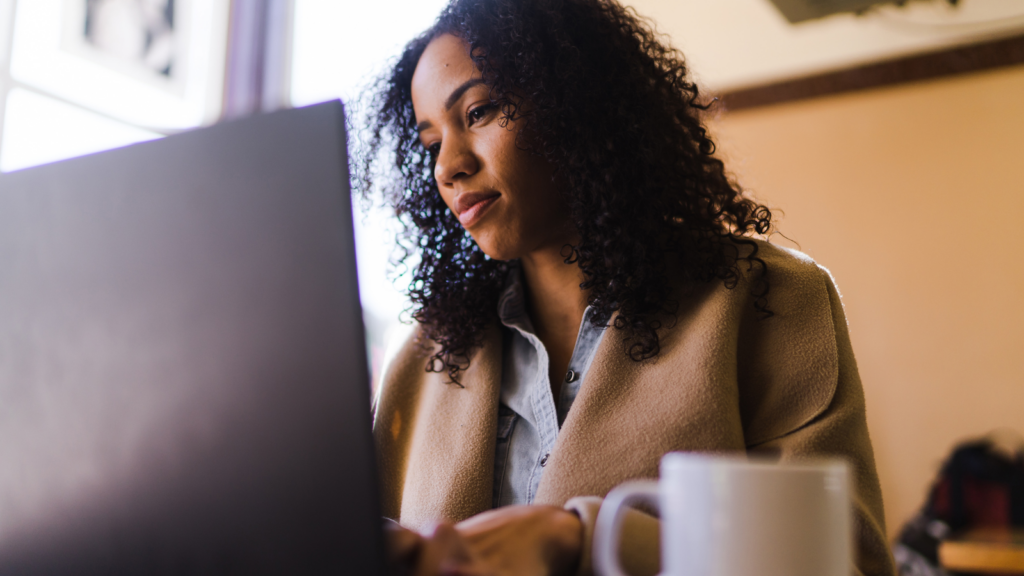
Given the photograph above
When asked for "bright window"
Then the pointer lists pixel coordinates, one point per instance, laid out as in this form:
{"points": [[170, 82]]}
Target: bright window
{"points": [[338, 47], [340, 44], [82, 76], [39, 129]]}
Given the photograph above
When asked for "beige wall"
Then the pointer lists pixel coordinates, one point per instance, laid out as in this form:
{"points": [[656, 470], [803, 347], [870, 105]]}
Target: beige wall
{"points": [[734, 43], [914, 197]]}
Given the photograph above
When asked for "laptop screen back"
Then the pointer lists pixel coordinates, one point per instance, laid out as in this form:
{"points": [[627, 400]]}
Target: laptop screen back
{"points": [[183, 380]]}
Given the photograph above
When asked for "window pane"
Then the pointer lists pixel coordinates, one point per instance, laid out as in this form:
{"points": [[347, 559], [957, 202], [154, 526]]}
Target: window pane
{"points": [[38, 130], [338, 46], [129, 60], [6, 17]]}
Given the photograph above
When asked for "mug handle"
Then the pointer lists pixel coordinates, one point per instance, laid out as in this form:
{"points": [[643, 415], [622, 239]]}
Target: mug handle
{"points": [[607, 531]]}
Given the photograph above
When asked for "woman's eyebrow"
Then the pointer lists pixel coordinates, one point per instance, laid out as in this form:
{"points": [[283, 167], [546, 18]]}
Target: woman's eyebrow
{"points": [[452, 99], [458, 92]]}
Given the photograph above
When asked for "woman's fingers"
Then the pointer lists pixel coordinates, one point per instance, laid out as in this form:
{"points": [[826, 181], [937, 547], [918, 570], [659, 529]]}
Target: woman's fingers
{"points": [[542, 540], [402, 543], [536, 540], [403, 547], [441, 551], [445, 553]]}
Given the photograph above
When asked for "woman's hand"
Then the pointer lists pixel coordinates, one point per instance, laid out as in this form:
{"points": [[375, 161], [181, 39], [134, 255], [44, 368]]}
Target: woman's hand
{"points": [[440, 552], [541, 540]]}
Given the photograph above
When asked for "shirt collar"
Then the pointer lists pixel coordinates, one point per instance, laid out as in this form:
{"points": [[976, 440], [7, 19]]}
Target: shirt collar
{"points": [[512, 302]]}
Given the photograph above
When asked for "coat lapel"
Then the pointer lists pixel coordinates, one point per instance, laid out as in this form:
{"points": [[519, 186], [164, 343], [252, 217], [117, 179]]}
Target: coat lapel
{"points": [[686, 395], [724, 381]]}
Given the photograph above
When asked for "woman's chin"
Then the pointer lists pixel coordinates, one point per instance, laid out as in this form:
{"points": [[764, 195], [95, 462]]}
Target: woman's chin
{"points": [[500, 254], [497, 249], [505, 244]]}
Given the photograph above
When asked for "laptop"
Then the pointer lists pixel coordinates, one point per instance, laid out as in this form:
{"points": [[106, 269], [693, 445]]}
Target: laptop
{"points": [[183, 379]]}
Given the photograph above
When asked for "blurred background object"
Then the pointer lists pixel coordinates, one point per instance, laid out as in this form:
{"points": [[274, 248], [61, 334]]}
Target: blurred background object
{"points": [[139, 31], [800, 10], [890, 139], [973, 517]]}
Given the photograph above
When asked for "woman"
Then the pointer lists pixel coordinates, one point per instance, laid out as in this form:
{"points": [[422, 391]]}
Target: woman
{"points": [[589, 295]]}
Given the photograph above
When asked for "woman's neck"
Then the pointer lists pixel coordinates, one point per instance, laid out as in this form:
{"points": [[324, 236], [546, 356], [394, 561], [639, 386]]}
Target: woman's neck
{"points": [[556, 306]]}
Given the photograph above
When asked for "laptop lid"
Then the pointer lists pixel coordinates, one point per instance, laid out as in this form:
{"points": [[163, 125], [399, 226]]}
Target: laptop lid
{"points": [[183, 380]]}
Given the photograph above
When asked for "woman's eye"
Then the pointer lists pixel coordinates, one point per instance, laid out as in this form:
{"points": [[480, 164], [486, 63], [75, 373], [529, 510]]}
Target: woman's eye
{"points": [[434, 150], [479, 113]]}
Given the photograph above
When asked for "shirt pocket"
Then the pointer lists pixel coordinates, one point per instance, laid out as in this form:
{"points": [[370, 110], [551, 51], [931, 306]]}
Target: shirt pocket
{"points": [[506, 424]]}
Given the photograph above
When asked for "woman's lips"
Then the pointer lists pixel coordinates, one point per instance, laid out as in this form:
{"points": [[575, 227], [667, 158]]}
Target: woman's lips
{"points": [[470, 206]]}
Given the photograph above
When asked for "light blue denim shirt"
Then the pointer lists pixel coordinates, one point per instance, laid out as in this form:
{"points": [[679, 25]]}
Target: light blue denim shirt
{"points": [[529, 418]]}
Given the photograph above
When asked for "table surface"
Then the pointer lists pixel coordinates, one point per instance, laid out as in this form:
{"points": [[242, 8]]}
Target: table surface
{"points": [[985, 550]]}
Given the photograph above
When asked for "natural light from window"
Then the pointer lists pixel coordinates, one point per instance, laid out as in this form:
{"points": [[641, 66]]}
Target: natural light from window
{"points": [[91, 76], [338, 48], [39, 130]]}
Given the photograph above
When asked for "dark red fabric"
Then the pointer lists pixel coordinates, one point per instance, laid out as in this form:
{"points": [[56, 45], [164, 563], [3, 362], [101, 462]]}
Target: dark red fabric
{"points": [[987, 504]]}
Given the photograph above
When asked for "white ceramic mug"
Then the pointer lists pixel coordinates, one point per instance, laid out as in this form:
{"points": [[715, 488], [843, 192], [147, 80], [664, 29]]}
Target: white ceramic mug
{"points": [[724, 516]]}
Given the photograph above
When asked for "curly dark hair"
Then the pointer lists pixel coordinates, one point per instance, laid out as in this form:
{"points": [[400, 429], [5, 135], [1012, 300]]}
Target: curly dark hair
{"points": [[611, 106]]}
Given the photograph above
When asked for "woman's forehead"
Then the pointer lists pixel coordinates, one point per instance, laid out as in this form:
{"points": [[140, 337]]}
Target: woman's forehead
{"points": [[444, 66]]}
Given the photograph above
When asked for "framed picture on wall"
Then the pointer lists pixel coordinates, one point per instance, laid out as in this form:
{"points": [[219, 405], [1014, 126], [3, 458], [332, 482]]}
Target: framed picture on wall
{"points": [[142, 38], [152, 63]]}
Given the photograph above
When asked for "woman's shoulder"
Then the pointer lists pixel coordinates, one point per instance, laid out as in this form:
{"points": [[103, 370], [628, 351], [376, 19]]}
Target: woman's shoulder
{"points": [[770, 281], [789, 272], [788, 362]]}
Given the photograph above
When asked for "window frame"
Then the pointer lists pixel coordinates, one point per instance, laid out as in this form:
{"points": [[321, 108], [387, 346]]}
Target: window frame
{"points": [[267, 60], [6, 44]]}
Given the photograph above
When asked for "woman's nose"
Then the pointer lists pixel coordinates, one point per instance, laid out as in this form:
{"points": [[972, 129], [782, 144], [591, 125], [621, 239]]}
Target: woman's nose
{"points": [[455, 161]]}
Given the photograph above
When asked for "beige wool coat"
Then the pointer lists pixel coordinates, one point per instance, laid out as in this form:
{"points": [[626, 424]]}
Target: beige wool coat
{"points": [[723, 382]]}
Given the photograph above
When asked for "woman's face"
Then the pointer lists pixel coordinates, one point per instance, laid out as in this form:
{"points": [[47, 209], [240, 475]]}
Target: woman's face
{"points": [[502, 195]]}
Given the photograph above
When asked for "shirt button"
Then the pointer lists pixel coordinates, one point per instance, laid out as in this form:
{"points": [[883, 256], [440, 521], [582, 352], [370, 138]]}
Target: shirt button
{"points": [[570, 376], [544, 460]]}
